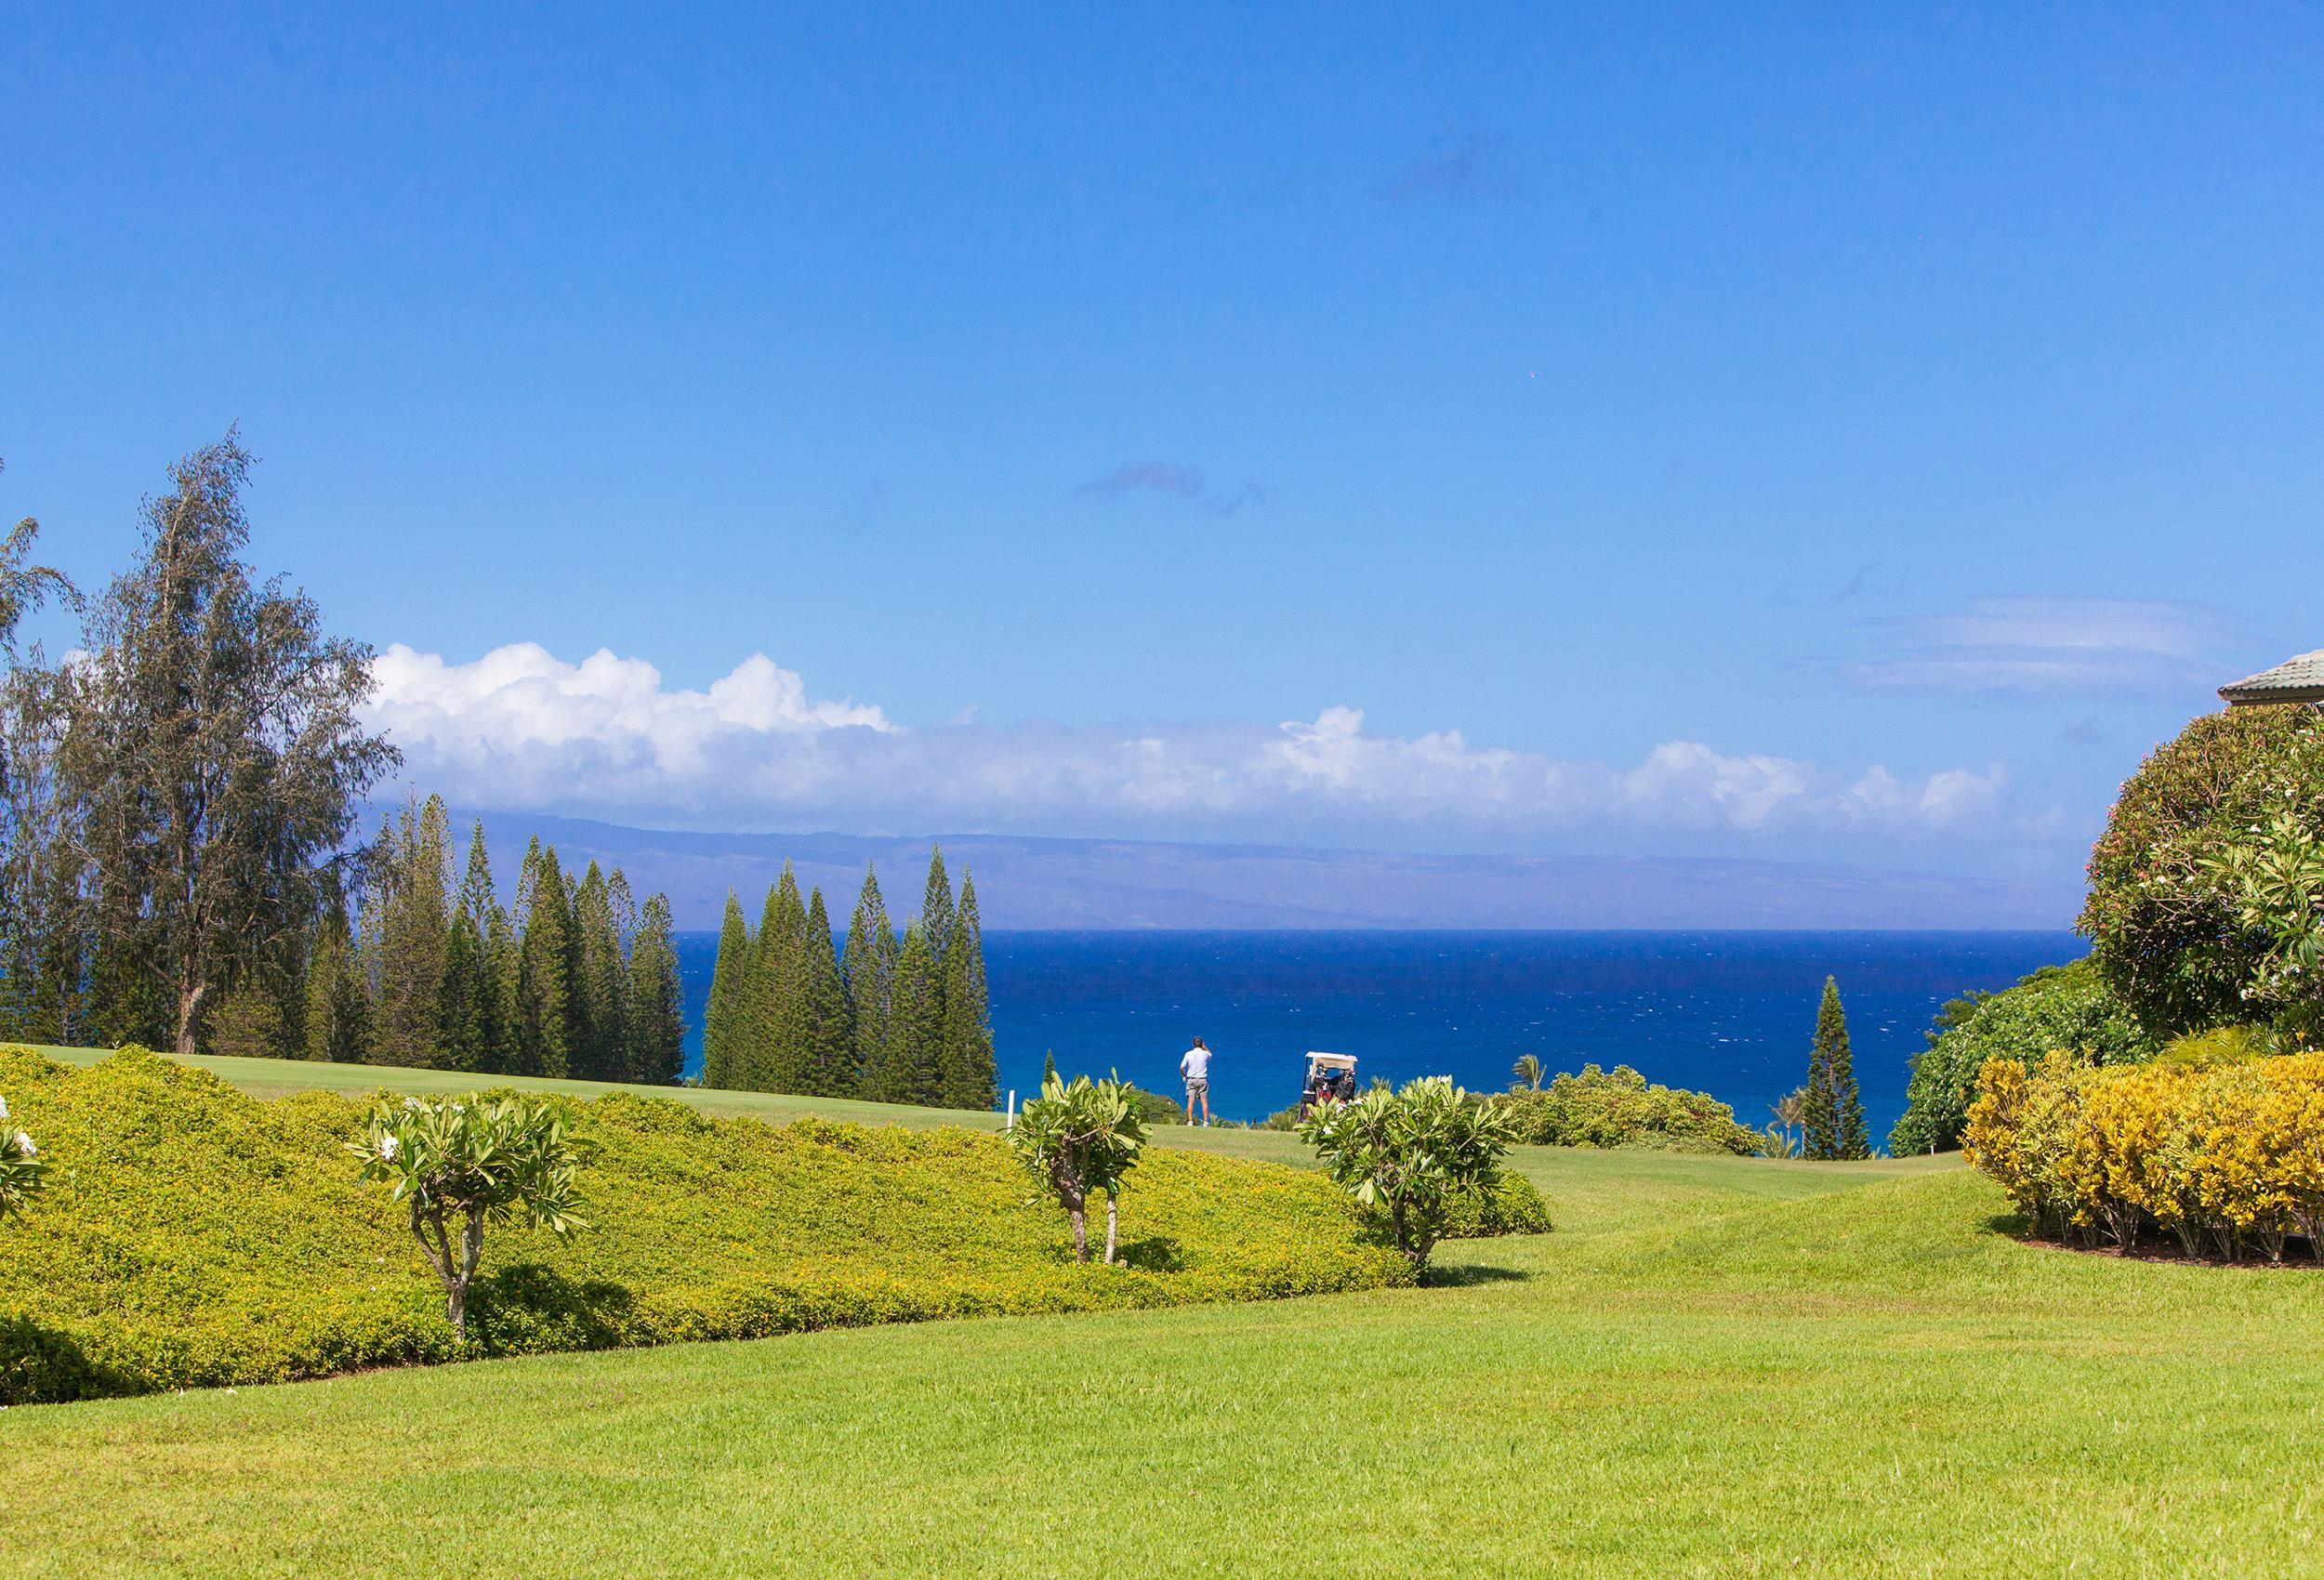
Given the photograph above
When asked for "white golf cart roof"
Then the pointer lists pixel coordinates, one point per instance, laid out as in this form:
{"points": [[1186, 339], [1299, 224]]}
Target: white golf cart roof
{"points": [[1331, 1061]]}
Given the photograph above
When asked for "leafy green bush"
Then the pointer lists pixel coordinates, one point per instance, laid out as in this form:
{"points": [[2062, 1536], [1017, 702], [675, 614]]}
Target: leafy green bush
{"points": [[1153, 1106], [1618, 1107], [1409, 1151], [2057, 1007], [204, 1237], [2164, 916], [1510, 1205], [2222, 1045]]}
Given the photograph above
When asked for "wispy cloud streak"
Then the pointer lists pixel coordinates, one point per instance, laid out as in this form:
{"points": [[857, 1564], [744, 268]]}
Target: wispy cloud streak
{"points": [[2035, 646], [1461, 164], [1185, 486]]}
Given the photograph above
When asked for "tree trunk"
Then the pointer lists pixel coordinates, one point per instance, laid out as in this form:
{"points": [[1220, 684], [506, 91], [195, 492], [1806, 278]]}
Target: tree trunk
{"points": [[1112, 1222], [471, 1252], [190, 994], [1081, 1228], [449, 1273]]}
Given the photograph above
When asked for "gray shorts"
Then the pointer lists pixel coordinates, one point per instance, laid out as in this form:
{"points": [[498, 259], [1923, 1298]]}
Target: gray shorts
{"points": [[1199, 1086]]}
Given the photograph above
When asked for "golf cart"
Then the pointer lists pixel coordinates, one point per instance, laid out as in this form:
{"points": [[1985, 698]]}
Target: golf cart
{"points": [[1331, 1078]]}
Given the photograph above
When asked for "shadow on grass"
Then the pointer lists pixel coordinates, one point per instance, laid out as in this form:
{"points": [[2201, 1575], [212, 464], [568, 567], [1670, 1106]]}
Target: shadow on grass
{"points": [[1469, 1276]]}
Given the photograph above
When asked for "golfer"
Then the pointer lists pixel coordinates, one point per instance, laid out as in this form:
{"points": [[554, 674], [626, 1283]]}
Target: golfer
{"points": [[1196, 1067]]}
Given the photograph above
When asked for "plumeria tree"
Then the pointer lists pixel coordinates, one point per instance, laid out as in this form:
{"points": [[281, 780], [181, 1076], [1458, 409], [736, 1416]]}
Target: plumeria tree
{"points": [[2272, 881], [458, 1165], [1409, 1150], [1079, 1140], [21, 1167]]}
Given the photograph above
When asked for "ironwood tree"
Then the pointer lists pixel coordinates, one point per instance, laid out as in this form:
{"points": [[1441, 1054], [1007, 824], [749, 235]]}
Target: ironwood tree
{"points": [[868, 968], [214, 749]]}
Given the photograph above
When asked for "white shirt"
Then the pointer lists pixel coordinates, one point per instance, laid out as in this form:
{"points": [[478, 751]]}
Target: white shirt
{"points": [[1196, 1064]]}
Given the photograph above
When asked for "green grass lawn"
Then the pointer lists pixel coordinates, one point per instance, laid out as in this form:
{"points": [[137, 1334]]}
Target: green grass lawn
{"points": [[275, 1077], [1717, 1366]]}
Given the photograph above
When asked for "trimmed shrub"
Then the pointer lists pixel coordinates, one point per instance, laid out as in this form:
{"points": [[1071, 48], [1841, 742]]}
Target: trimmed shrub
{"points": [[1512, 1204], [1618, 1107], [2227, 1158], [204, 1237], [1153, 1106], [2068, 1007]]}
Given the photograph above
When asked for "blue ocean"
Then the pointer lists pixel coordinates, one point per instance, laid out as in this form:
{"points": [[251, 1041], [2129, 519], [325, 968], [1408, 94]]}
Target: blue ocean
{"points": [[1730, 1013]]}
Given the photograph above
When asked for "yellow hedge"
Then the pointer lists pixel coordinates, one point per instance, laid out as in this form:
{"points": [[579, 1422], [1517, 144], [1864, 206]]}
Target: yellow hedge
{"points": [[192, 1234], [2227, 1157]]}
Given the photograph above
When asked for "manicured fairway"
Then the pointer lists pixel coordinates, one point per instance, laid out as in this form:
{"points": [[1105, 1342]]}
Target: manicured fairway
{"points": [[1716, 1367], [273, 1077]]}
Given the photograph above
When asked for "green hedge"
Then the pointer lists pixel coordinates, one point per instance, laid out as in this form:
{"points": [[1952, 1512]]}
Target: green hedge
{"points": [[2057, 1007], [1619, 1108], [195, 1235]]}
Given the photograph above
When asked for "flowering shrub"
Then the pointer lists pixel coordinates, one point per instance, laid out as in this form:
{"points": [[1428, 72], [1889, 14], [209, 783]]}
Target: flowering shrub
{"points": [[1409, 1152], [21, 1167], [2226, 1157], [457, 1166]]}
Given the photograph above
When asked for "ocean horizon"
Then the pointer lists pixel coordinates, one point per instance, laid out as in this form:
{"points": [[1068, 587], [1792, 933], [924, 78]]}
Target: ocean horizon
{"points": [[1731, 1013]]}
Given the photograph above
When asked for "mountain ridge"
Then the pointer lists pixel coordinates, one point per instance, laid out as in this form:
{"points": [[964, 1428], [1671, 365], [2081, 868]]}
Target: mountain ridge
{"points": [[1028, 883]]}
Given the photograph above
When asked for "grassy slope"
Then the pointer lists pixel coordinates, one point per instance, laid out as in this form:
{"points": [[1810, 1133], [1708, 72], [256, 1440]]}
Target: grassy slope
{"points": [[1718, 1366]]}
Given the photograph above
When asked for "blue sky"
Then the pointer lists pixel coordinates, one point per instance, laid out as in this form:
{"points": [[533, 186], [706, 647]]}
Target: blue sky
{"points": [[1680, 430]]}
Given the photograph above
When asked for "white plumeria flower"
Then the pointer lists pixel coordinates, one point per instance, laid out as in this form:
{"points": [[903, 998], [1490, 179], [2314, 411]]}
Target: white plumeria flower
{"points": [[387, 1149], [411, 1103], [25, 1145], [4, 1108]]}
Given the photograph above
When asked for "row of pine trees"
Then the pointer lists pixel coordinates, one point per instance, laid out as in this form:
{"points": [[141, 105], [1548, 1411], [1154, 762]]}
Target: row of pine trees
{"points": [[575, 980], [886, 1019]]}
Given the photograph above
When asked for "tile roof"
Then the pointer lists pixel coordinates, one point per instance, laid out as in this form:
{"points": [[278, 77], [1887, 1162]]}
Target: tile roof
{"points": [[2294, 680]]}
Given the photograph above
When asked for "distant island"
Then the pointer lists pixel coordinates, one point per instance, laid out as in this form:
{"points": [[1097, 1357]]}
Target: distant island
{"points": [[1037, 883]]}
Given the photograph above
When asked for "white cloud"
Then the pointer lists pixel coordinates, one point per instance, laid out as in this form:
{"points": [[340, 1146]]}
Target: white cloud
{"points": [[2053, 646], [520, 729]]}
